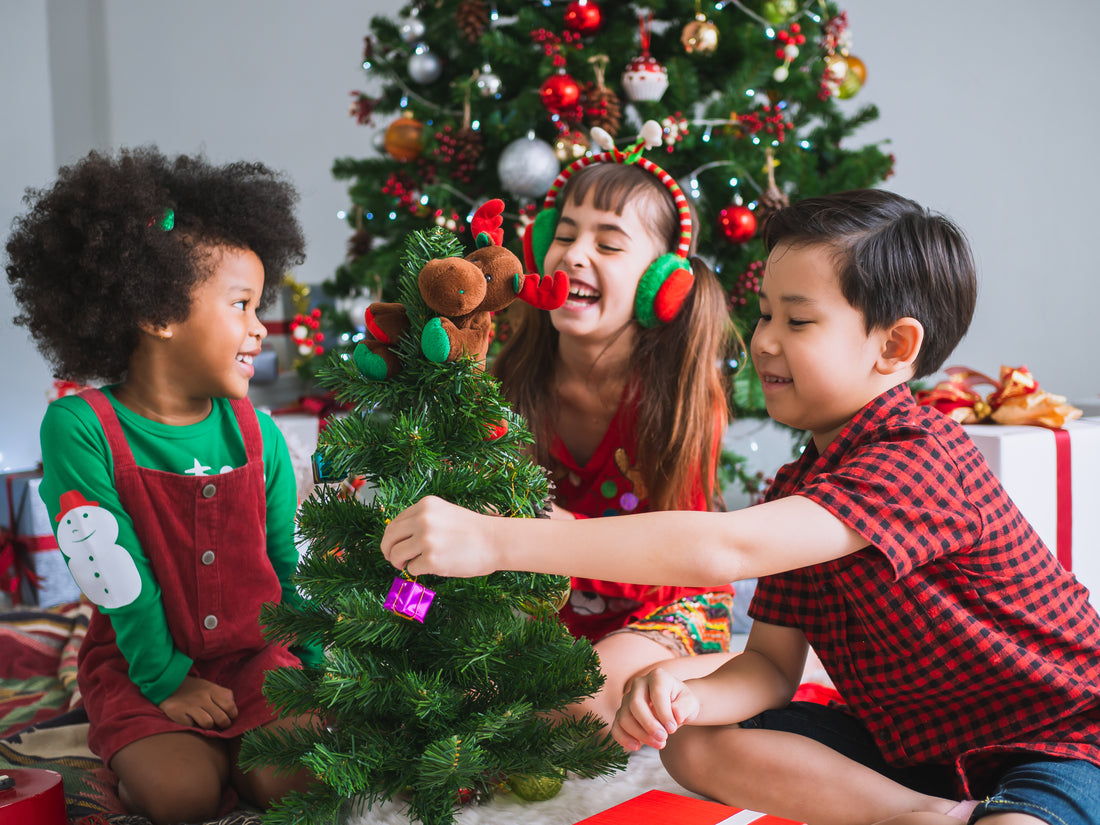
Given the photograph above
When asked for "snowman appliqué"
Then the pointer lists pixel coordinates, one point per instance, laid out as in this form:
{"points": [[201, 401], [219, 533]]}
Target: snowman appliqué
{"points": [[88, 536]]}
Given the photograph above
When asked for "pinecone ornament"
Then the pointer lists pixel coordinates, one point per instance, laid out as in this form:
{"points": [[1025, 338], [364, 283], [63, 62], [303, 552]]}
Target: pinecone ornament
{"points": [[359, 244], [472, 17], [601, 105]]}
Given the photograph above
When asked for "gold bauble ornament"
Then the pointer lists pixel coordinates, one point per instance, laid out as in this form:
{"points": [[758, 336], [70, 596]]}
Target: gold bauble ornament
{"points": [[402, 139], [570, 146], [700, 36], [854, 79], [535, 788], [548, 606]]}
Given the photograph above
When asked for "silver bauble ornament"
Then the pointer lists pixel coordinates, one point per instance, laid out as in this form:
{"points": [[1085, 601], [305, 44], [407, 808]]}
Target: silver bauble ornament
{"points": [[488, 82], [527, 167], [412, 30], [424, 66]]}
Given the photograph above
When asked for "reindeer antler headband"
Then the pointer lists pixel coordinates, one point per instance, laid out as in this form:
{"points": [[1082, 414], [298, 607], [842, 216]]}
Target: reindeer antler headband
{"points": [[648, 138]]}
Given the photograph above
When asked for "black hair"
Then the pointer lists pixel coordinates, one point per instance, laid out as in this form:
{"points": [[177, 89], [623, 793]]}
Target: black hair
{"points": [[92, 259], [894, 259]]}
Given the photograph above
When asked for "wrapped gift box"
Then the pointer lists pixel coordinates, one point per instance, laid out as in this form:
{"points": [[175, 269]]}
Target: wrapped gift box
{"points": [[23, 512], [300, 430], [664, 808], [1057, 488]]}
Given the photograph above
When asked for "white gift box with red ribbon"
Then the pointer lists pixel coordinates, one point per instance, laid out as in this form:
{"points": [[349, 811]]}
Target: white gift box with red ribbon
{"points": [[46, 580], [1053, 476]]}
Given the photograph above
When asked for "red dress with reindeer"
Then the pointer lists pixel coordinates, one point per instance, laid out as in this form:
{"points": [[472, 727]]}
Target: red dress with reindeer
{"points": [[608, 485]]}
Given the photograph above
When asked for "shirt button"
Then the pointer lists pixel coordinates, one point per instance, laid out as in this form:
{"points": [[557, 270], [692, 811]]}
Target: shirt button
{"points": [[208, 557], [210, 622], [209, 490]]}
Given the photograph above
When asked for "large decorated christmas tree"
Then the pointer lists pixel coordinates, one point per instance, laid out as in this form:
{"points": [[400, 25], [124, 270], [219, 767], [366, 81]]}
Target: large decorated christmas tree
{"points": [[439, 691], [476, 97]]}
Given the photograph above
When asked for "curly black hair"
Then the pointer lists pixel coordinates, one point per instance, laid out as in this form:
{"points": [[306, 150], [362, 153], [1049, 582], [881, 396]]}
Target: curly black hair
{"points": [[90, 261]]}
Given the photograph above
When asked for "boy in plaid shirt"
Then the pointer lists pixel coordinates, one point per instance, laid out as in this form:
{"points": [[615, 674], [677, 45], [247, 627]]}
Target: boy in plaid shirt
{"points": [[968, 659]]}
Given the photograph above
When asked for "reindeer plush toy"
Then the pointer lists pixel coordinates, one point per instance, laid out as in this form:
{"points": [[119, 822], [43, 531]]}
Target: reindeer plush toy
{"points": [[464, 292]]}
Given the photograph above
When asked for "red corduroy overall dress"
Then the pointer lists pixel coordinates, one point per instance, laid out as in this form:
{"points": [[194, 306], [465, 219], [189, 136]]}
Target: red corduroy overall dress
{"points": [[205, 538]]}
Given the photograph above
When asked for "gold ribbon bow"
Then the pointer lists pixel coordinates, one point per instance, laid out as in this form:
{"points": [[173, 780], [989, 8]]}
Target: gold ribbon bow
{"points": [[1016, 399]]}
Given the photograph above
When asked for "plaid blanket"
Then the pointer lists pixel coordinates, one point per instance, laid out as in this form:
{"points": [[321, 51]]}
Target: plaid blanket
{"points": [[42, 722]]}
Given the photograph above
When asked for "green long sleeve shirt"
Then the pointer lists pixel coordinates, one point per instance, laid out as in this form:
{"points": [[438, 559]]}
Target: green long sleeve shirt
{"points": [[76, 456]]}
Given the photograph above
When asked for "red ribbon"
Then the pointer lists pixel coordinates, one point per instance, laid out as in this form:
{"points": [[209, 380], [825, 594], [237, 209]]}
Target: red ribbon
{"points": [[1064, 487], [13, 548], [12, 567]]}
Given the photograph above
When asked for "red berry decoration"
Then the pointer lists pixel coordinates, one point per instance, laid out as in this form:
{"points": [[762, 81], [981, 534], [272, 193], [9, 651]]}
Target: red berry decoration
{"points": [[559, 92], [737, 223], [583, 17]]}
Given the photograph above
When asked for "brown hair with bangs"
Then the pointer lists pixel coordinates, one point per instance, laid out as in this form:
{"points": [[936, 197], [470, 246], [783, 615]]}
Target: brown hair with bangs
{"points": [[676, 368]]}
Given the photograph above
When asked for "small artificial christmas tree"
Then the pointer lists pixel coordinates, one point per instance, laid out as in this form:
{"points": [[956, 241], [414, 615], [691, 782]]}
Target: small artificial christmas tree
{"points": [[478, 97], [436, 699]]}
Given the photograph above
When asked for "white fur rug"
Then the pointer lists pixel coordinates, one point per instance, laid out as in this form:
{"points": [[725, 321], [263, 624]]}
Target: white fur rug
{"points": [[578, 799]]}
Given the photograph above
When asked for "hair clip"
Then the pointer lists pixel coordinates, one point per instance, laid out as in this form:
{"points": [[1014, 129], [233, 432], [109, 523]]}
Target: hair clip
{"points": [[166, 223]]}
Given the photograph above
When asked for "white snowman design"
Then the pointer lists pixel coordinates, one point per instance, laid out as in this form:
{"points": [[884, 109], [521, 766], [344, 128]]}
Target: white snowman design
{"points": [[88, 536]]}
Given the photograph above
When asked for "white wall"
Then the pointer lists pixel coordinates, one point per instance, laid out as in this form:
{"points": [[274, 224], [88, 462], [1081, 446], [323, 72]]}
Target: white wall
{"points": [[989, 106], [26, 158], [992, 113]]}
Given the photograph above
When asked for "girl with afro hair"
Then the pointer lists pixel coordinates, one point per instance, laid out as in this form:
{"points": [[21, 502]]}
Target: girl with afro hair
{"points": [[174, 500]]}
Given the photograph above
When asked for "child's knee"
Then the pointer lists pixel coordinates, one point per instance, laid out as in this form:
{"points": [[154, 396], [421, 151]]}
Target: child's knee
{"points": [[175, 799], [689, 753], [265, 786]]}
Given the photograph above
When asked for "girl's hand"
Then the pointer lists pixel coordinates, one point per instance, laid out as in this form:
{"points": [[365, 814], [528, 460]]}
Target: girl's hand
{"points": [[434, 536], [654, 706], [200, 704]]}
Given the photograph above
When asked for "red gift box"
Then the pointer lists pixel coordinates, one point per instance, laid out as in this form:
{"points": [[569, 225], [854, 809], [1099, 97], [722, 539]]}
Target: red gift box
{"points": [[664, 808]]}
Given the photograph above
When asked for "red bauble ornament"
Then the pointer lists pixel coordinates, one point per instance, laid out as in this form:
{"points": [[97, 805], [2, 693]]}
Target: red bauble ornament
{"points": [[559, 92], [583, 16], [737, 223]]}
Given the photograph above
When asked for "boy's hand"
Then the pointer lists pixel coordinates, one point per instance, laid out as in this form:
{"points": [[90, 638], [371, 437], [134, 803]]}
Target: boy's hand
{"points": [[200, 704], [434, 536], [654, 706]]}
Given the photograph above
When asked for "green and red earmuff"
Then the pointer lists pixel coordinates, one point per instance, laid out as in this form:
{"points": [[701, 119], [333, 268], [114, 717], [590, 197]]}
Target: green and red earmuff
{"points": [[667, 281]]}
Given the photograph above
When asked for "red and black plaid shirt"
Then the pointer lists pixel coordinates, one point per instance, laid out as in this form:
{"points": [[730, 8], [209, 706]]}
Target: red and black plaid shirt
{"points": [[954, 636]]}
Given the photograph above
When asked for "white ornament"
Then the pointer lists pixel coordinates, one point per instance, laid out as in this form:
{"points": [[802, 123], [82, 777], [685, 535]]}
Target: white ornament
{"points": [[645, 79], [781, 73], [527, 167], [412, 30], [424, 66]]}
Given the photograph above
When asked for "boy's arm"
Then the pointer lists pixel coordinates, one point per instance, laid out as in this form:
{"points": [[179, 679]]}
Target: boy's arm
{"points": [[681, 548], [765, 676]]}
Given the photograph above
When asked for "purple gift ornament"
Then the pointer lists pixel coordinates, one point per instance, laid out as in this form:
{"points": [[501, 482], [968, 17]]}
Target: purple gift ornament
{"points": [[409, 599]]}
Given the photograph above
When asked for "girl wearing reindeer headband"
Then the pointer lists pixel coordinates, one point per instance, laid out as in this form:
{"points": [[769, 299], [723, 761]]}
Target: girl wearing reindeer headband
{"points": [[624, 394]]}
